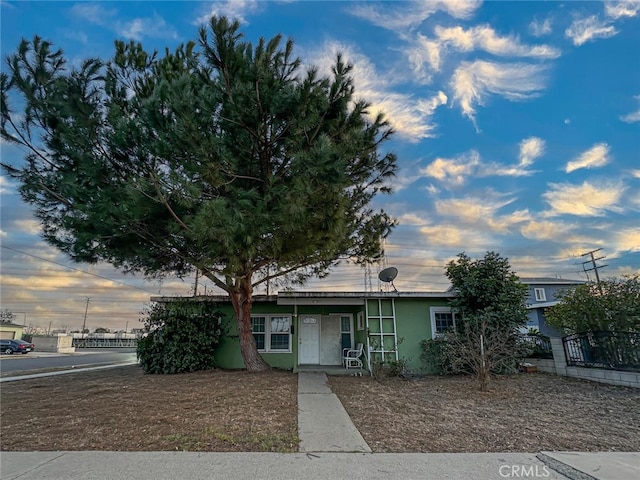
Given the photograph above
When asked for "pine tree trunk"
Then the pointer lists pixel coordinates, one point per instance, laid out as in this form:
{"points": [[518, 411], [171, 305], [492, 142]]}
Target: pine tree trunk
{"points": [[242, 300]]}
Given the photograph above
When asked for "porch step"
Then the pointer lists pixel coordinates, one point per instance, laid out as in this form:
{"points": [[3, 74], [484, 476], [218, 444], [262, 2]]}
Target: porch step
{"points": [[331, 370], [323, 423]]}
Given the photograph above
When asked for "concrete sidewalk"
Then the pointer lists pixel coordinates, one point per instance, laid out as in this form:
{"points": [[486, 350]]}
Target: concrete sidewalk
{"points": [[323, 423], [294, 466]]}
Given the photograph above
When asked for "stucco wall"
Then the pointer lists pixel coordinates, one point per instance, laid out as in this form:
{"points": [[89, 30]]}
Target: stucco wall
{"points": [[413, 326]]}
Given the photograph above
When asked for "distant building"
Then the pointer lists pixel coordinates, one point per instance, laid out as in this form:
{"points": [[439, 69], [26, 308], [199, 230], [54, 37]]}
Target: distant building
{"points": [[543, 293], [11, 330]]}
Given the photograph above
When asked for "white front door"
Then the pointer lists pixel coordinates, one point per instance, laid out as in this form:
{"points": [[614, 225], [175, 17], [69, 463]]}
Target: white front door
{"points": [[309, 340]]}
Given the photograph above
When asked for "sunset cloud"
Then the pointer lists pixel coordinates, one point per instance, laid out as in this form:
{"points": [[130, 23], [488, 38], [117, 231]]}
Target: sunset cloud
{"points": [[596, 156], [452, 170], [409, 116], [586, 200]]}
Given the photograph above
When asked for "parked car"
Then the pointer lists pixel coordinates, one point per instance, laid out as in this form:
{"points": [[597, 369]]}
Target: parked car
{"points": [[16, 346]]}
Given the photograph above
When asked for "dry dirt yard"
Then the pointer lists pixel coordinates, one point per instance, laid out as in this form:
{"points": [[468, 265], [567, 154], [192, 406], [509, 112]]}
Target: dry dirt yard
{"points": [[520, 413], [124, 409]]}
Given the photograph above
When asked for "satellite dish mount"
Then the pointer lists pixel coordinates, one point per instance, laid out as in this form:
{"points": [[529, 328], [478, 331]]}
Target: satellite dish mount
{"points": [[388, 275]]}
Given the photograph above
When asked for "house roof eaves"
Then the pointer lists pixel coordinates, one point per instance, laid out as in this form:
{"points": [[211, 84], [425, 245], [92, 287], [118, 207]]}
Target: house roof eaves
{"points": [[284, 298], [550, 281], [531, 306]]}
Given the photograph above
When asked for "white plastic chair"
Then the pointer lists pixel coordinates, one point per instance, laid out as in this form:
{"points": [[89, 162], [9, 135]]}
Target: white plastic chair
{"points": [[351, 356]]}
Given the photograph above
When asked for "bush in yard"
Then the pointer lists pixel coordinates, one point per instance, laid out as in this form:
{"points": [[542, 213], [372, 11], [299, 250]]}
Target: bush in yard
{"points": [[490, 309], [180, 337], [436, 355]]}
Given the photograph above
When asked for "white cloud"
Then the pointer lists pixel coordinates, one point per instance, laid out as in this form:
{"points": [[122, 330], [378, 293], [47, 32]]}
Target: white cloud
{"points": [[453, 170], [139, 28], [596, 156], [590, 28], [6, 186], [482, 212], [530, 149], [617, 10], [93, 12], [546, 230], [410, 117], [583, 200], [628, 240], [538, 28], [426, 55], [233, 9], [633, 116], [411, 219], [485, 38], [402, 16], [472, 82], [460, 238], [136, 29], [635, 173], [432, 189], [424, 51]]}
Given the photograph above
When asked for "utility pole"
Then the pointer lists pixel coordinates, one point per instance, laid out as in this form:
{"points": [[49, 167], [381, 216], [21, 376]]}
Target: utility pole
{"points": [[595, 266], [84, 323]]}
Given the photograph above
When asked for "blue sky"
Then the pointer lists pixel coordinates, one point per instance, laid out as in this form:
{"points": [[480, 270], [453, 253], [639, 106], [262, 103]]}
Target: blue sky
{"points": [[517, 130]]}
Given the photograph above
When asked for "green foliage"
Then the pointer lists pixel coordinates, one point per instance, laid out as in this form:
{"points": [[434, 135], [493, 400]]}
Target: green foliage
{"points": [[180, 337], [398, 368], [612, 305], [221, 155], [488, 286], [437, 354], [490, 308]]}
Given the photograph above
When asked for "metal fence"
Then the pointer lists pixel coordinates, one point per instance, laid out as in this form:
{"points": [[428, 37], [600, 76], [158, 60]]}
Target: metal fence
{"points": [[539, 346], [105, 342], [609, 350]]}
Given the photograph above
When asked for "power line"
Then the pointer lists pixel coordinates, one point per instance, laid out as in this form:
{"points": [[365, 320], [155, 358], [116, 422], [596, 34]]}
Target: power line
{"points": [[595, 266], [76, 269]]}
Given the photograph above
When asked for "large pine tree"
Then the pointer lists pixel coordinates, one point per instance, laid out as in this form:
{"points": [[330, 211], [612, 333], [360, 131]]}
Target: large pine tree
{"points": [[221, 156]]}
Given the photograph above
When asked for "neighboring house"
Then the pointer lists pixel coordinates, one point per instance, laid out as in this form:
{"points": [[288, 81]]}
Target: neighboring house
{"points": [[543, 293], [294, 329], [11, 330]]}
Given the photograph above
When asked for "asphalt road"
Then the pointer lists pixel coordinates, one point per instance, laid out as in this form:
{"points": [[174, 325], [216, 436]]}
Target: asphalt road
{"points": [[83, 358]]}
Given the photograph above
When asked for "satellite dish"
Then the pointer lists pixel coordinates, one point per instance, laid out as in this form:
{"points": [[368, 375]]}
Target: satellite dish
{"points": [[388, 275]]}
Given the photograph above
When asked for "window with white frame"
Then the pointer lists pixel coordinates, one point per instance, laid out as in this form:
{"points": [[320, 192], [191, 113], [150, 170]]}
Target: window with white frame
{"points": [[541, 296], [442, 319], [272, 332]]}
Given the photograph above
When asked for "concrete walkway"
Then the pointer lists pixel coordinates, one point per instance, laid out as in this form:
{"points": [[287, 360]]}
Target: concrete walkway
{"points": [[301, 466], [323, 423]]}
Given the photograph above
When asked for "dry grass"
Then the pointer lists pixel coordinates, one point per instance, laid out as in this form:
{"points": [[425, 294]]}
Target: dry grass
{"points": [[520, 413], [123, 409]]}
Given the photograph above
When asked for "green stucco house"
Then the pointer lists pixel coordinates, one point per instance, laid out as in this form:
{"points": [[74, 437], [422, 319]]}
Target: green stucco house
{"points": [[294, 330]]}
